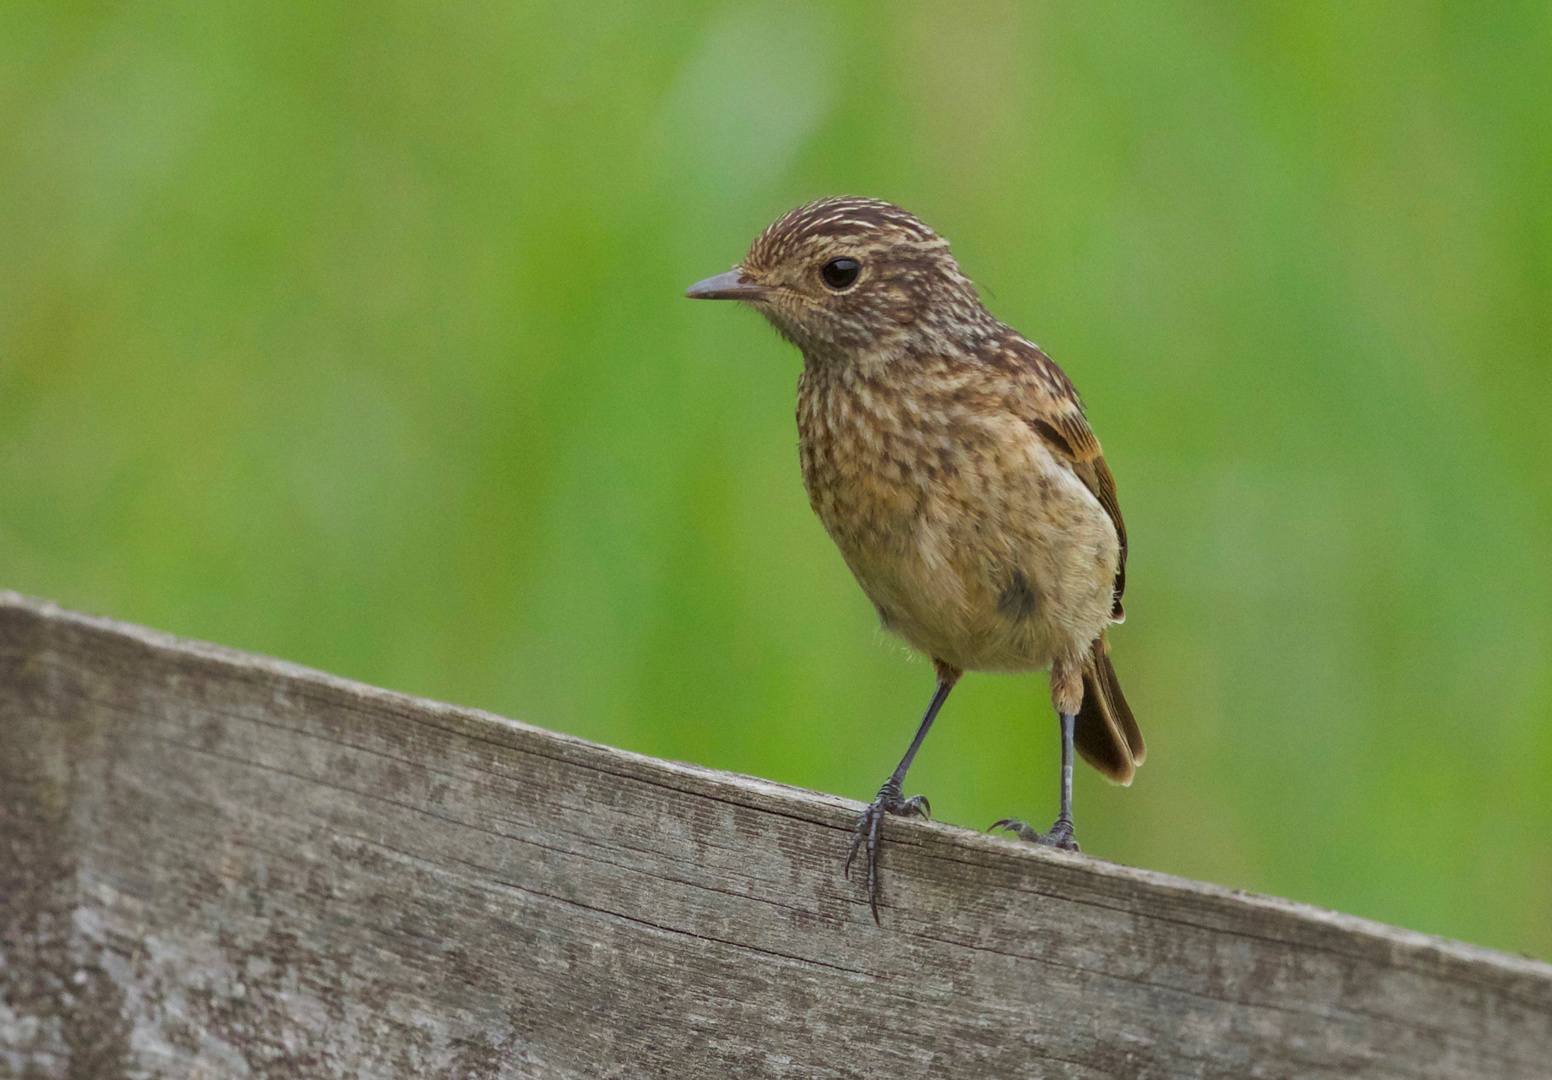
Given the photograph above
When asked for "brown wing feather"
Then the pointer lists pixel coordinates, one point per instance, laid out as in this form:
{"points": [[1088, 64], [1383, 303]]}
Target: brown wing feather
{"points": [[1096, 476], [1106, 732], [1055, 411]]}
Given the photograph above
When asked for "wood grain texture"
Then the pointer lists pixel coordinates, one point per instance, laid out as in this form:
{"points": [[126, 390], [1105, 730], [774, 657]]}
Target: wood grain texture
{"points": [[220, 865]]}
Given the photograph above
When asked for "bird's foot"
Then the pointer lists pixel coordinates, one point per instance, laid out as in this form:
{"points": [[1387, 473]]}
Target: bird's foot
{"points": [[1061, 834], [867, 840]]}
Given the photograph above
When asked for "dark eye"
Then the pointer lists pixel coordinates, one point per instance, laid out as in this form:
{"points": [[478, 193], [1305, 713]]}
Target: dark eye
{"points": [[840, 273]]}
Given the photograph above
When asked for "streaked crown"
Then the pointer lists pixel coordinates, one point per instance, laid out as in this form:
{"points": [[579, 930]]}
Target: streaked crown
{"points": [[850, 279]]}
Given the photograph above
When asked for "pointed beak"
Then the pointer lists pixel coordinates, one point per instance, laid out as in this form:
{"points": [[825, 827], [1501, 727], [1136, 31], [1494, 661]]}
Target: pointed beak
{"points": [[733, 285]]}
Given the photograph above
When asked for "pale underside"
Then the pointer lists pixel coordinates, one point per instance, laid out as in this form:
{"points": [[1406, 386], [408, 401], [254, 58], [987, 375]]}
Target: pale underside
{"points": [[977, 544]]}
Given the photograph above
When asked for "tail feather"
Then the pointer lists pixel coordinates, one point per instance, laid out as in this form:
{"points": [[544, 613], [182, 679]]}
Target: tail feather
{"points": [[1123, 711], [1106, 732]]}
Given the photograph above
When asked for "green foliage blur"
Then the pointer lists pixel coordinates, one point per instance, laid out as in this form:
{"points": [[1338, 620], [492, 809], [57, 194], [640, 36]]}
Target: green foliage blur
{"points": [[354, 333]]}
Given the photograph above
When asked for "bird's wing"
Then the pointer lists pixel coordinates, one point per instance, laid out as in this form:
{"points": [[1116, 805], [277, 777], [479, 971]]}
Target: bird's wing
{"points": [[1050, 404]]}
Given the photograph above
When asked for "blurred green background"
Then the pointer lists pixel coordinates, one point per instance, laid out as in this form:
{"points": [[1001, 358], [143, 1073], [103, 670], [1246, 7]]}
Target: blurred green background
{"points": [[353, 333]]}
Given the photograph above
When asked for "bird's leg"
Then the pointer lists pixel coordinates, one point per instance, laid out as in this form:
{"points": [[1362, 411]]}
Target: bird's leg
{"points": [[1061, 834], [891, 797]]}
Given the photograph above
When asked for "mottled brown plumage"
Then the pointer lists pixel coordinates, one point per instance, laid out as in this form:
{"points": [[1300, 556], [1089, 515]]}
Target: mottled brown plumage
{"points": [[950, 460]]}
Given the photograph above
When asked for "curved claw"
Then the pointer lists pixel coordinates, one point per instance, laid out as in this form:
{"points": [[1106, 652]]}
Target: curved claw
{"points": [[1014, 825], [1061, 835], [866, 835], [856, 842]]}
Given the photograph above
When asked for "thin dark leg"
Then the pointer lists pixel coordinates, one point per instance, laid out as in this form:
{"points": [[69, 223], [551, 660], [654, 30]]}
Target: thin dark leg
{"points": [[891, 798], [1061, 834], [897, 778]]}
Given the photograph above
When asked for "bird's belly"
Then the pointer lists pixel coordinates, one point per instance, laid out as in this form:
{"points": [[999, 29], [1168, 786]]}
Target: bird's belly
{"points": [[975, 544], [1004, 582]]}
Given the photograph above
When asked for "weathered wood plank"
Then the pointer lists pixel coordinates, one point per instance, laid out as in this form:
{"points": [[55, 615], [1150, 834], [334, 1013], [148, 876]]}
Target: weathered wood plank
{"points": [[216, 864]]}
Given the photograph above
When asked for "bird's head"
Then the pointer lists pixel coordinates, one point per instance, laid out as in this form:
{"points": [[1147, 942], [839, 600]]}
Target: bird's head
{"points": [[851, 280]]}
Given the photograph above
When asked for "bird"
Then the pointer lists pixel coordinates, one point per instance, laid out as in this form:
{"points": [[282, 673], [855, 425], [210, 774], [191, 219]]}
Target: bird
{"points": [[952, 463]]}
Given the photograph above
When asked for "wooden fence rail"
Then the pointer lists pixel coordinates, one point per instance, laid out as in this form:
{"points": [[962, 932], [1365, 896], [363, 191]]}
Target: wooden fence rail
{"points": [[220, 865]]}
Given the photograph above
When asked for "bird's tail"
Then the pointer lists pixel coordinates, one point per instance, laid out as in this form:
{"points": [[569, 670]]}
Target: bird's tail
{"points": [[1106, 732]]}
